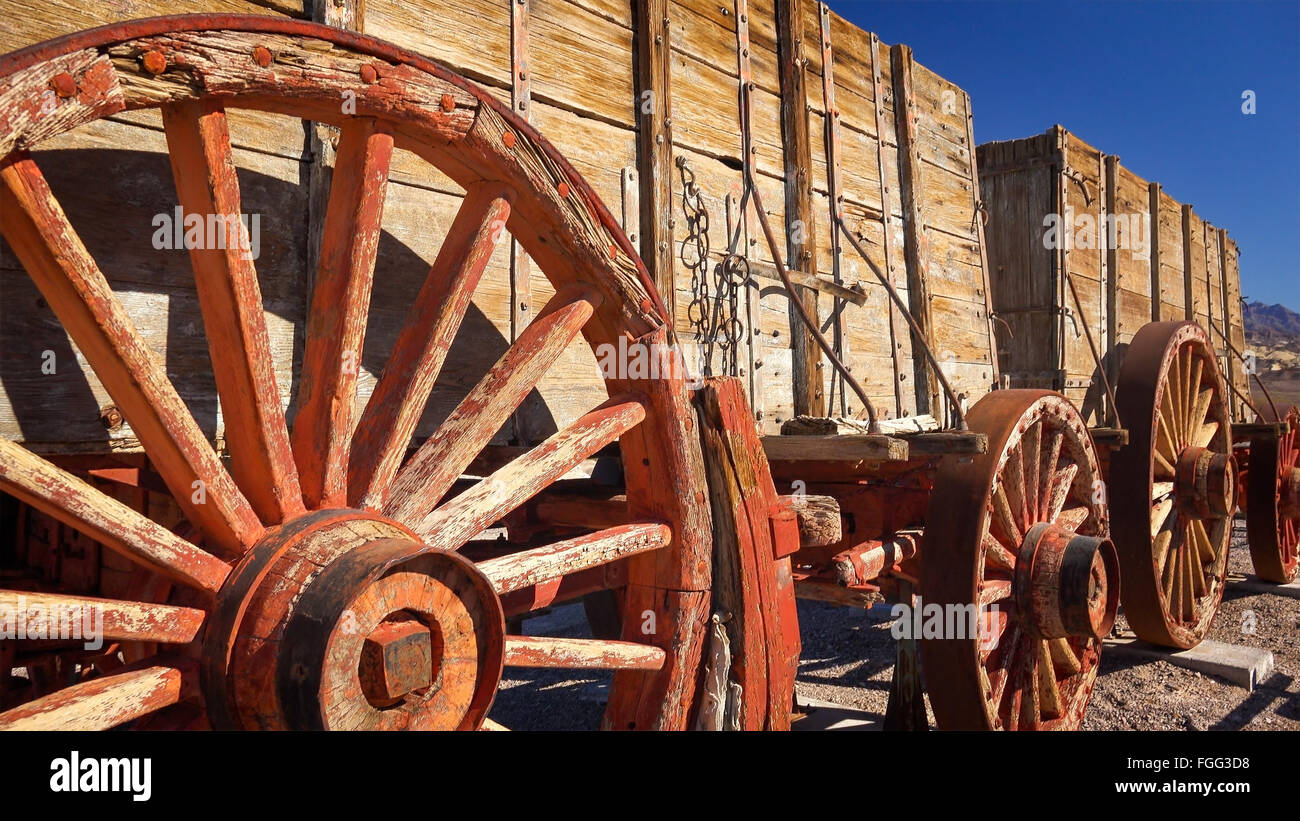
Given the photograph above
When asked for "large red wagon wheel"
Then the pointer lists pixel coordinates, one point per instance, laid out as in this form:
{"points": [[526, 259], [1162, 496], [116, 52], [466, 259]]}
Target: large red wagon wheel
{"points": [[1021, 534], [1273, 502], [330, 593], [1173, 484]]}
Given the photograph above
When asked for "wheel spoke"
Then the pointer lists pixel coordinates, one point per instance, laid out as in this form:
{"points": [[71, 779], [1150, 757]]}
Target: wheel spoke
{"points": [[340, 305], [1162, 540], [1160, 490], [581, 654], [1063, 655], [394, 409], [1072, 518], [1204, 434], [1051, 458], [1031, 457], [993, 590], [1030, 709], [1013, 484], [40, 235], [1159, 514], [1062, 481], [1187, 588], [1169, 573], [106, 619], [465, 516], [1003, 518], [1191, 392], [1202, 406], [1002, 673], [469, 428], [103, 703], [996, 555], [1047, 686], [105, 519], [1174, 390], [543, 564], [1165, 445], [230, 299], [1163, 468], [1202, 540]]}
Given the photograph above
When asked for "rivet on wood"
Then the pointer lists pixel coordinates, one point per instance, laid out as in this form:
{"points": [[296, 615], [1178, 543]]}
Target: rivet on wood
{"points": [[63, 84], [262, 56], [448, 103], [154, 62], [562, 189], [509, 139], [613, 251], [368, 73]]}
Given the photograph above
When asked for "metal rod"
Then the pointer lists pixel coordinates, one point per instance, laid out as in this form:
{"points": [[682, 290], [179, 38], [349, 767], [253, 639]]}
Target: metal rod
{"points": [[1087, 332], [1254, 373], [873, 425], [916, 330]]}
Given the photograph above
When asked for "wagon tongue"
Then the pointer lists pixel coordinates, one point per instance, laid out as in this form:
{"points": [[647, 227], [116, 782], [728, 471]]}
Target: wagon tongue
{"points": [[1066, 584]]}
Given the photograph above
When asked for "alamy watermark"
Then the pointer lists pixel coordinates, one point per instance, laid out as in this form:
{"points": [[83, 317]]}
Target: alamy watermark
{"points": [[24, 619], [179, 231], [946, 621], [633, 361], [1129, 232]]}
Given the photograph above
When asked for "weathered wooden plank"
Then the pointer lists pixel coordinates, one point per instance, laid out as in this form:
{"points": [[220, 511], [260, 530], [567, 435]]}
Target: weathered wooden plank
{"points": [[654, 99], [854, 448], [529, 567], [581, 654]]}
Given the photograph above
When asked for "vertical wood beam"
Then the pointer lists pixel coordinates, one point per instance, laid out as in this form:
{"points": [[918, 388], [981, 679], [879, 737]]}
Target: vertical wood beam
{"points": [[1189, 309], [1061, 257], [1153, 205], [898, 330], [521, 288], [916, 250], [654, 144], [1109, 321], [809, 393], [835, 199], [978, 204]]}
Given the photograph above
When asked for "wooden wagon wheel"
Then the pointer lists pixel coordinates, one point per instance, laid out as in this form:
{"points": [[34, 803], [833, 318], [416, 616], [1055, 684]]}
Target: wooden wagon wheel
{"points": [[1273, 502], [1020, 533], [333, 593], [1173, 484]]}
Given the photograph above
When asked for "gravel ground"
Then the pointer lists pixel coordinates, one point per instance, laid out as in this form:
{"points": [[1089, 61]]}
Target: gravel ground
{"points": [[848, 659]]}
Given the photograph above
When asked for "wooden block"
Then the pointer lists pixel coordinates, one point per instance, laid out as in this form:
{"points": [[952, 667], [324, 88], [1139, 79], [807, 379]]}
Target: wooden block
{"points": [[865, 447]]}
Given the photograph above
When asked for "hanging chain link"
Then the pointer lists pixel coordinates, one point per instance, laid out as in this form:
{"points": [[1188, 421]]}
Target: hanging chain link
{"points": [[714, 311]]}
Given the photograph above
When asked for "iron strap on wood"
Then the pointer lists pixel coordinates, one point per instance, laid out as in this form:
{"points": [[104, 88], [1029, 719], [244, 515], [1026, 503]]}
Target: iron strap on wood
{"points": [[834, 186]]}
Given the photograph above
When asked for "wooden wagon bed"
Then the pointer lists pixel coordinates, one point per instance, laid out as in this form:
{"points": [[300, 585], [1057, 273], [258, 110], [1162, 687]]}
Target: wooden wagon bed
{"points": [[1165, 263], [642, 98]]}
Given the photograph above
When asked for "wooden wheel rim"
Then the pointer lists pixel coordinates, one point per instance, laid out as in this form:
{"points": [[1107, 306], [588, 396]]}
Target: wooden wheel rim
{"points": [[1273, 535], [971, 557], [194, 67], [1174, 563]]}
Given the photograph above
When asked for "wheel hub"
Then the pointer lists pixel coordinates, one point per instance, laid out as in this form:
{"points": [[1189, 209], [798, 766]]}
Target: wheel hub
{"points": [[344, 620], [1205, 483], [1066, 584]]}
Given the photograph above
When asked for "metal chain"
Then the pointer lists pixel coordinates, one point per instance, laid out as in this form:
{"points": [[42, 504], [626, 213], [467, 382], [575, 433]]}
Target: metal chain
{"points": [[714, 311]]}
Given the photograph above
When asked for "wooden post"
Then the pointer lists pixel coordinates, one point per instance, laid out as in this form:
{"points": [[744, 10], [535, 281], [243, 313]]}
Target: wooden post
{"points": [[1154, 207], [916, 251], [1108, 345], [801, 252], [521, 287], [654, 143], [978, 204], [898, 329]]}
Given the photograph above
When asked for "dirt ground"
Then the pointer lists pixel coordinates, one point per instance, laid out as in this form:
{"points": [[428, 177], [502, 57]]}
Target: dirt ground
{"points": [[848, 659]]}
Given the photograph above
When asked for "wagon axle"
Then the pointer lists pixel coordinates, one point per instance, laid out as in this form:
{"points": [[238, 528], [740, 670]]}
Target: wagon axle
{"points": [[1205, 483]]}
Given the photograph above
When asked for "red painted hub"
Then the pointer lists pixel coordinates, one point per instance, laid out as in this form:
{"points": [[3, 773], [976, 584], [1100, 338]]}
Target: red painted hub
{"points": [[1205, 483], [1067, 583]]}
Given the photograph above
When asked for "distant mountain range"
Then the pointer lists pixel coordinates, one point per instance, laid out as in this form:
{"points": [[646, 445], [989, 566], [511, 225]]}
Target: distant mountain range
{"points": [[1271, 322], [1273, 335]]}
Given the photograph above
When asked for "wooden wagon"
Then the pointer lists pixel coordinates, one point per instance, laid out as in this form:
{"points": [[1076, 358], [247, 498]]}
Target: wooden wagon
{"points": [[316, 476], [1139, 303]]}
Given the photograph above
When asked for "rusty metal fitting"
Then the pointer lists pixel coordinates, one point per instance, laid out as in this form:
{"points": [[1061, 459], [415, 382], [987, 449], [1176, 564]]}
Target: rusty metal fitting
{"points": [[1066, 584], [1205, 483], [111, 417], [369, 74], [262, 56], [64, 84], [154, 62]]}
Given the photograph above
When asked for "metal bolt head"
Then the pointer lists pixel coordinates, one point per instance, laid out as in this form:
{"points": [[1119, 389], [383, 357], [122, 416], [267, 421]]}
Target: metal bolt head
{"points": [[509, 139], [396, 659], [369, 74], [154, 62], [562, 189], [63, 84], [262, 56], [448, 103], [111, 417]]}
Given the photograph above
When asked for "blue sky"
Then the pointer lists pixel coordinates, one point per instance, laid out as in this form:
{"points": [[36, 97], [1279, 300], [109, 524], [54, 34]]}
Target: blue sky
{"points": [[1158, 83]]}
